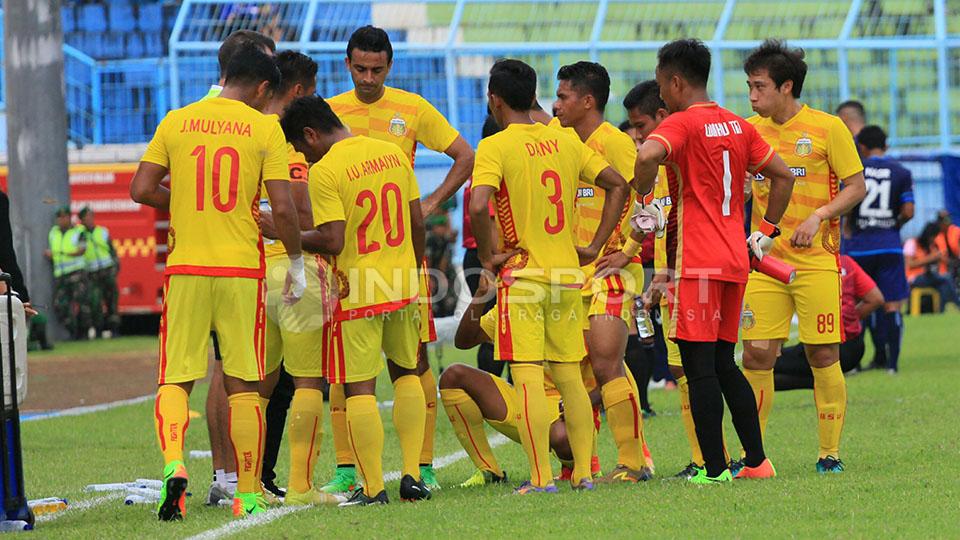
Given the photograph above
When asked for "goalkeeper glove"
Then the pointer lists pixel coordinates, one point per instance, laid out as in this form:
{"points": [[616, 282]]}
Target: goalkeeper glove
{"points": [[296, 281], [649, 216], [760, 242]]}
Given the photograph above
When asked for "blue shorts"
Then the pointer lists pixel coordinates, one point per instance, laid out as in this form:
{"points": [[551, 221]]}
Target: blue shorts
{"points": [[887, 269]]}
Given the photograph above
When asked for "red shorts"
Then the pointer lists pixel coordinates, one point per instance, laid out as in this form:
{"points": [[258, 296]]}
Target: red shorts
{"points": [[706, 310]]}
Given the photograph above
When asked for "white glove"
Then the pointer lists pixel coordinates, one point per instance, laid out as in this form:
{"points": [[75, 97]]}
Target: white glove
{"points": [[760, 242], [296, 281], [648, 218]]}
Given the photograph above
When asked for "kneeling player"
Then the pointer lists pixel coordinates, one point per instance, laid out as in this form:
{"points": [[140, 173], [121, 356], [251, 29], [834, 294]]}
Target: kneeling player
{"points": [[367, 209]]}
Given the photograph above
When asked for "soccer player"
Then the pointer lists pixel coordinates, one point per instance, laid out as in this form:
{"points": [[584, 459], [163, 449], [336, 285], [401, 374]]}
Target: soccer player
{"points": [[405, 119], [853, 115], [707, 152], [582, 94], [368, 219], [225, 467], [874, 240], [820, 152], [295, 333], [532, 171], [220, 153], [645, 111]]}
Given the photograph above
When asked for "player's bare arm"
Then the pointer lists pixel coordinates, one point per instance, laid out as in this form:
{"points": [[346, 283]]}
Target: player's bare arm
{"points": [[145, 187], [649, 157], [616, 197], [870, 303], [301, 200], [609, 265], [854, 189], [418, 230], [469, 332], [480, 217], [285, 215], [462, 155], [906, 213], [781, 188], [326, 239]]}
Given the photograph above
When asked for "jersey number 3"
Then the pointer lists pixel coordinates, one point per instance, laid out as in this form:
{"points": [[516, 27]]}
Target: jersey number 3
{"points": [[200, 152], [556, 199], [393, 229]]}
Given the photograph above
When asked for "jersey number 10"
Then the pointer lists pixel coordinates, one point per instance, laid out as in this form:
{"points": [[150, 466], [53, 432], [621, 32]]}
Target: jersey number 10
{"points": [[200, 152]]}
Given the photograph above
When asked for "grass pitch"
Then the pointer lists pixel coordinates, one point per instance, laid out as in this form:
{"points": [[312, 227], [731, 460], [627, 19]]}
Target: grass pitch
{"points": [[899, 447]]}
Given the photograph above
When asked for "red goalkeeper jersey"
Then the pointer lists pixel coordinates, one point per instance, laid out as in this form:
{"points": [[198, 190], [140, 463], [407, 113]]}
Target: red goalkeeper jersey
{"points": [[709, 152]]}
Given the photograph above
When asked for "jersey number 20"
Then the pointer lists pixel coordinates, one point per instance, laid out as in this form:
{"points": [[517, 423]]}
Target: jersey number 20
{"points": [[393, 229]]}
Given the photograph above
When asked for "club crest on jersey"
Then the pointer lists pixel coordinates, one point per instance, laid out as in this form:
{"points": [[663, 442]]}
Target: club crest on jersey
{"points": [[398, 126], [747, 320], [804, 146]]}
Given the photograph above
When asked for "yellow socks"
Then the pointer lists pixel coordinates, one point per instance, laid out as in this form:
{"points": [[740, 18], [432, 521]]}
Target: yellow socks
{"points": [[578, 415], [171, 417], [409, 415], [761, 380], [429, 384], [623, 416], [467, 422], [830, 395], [534, 423], [304, 430], [365, 433], [246, 433], [695, 455], [338, 425]]}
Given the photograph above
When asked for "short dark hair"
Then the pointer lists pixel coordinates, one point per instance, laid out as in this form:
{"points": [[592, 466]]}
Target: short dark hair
{"points": [[514, 82], [625, 125], [873, 138], [252, 66], [370, 39], [781, 62], [490, 127], [645, 97], [295, 68], [688, 57], [855, 105], [588, 78], [308, 111], [236, 41]]}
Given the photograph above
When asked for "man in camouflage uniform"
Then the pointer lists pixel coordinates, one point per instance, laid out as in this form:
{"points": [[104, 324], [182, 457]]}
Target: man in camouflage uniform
{"points": [[66, 249], [100, 260]]}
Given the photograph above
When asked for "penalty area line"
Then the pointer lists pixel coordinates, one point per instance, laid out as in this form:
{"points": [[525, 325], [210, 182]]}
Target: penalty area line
{"points": [[274, 514]]}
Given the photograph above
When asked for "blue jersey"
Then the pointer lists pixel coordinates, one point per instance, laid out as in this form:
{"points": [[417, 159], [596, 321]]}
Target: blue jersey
{"points": [[873, 222]]}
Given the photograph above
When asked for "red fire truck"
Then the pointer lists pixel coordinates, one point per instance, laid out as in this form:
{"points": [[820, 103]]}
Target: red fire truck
{"points": [[139, 233]]}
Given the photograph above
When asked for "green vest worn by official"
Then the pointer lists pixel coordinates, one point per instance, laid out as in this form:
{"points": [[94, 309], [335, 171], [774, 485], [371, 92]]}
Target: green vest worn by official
{"points": [[99, 253], [61, 245]]}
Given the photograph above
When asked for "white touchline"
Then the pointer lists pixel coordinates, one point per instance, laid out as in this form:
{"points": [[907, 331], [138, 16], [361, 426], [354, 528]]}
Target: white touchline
{"points": [[234, 527], [77, 411], [82, 505]]}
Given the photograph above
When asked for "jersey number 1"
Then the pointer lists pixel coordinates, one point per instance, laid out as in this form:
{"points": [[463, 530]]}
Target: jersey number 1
{"points": [[200, 152], [393, 230]]}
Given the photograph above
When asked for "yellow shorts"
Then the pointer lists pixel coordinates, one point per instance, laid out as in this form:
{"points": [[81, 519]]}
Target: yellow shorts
{"points": [[295, 333], [538, 322], [355, 346], [614, 295], [195, 305], [673, 352], [428, 331], [768, 307], [508, 426]]}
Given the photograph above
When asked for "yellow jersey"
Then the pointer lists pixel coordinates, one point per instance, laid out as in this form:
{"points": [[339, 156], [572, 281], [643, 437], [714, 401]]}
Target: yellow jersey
{"points": [[536, 170], [218, 152], [402, 118], [661, 192], [369, 184], [820, 151], [299, 172]]}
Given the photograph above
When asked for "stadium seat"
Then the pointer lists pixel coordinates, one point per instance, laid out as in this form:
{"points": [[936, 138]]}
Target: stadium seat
{"points": [[150, 17], [68, 19], [917, 296], [121, 16], [135, 47], [93, 18]]}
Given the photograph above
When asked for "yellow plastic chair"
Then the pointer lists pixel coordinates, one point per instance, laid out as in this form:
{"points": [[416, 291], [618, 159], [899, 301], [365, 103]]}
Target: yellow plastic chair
{"points": [[917, 294]]}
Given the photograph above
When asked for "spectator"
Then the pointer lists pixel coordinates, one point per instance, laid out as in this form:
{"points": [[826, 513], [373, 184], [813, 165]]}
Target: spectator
{"points": [[948, 240], [66, 250], [925, 264], [853, 115], [439, 255], [102, 265], [861, 297]]}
